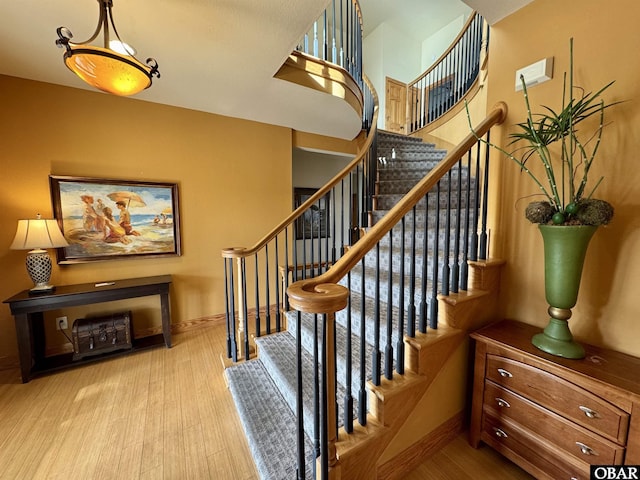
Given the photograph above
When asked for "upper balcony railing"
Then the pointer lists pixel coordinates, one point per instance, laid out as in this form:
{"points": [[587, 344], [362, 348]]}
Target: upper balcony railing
{"points": [[447, 82], [336, 37]]}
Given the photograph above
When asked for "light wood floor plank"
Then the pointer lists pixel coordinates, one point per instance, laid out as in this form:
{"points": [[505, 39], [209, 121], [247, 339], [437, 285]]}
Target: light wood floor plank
{"points": [[162, 414]]}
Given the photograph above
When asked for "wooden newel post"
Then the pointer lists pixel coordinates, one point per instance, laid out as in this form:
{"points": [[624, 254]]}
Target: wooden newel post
{"points": [[326, 299]]}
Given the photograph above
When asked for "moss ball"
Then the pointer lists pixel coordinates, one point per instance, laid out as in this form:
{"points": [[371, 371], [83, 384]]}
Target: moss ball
{"points": [[594, 212], [539, 212]]}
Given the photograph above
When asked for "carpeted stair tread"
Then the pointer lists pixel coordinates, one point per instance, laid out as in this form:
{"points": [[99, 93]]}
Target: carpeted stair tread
{"points": [[278, 354], [341, 348], [268, 422]]}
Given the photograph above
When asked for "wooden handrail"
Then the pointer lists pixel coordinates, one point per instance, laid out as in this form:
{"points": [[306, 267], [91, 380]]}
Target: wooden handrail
{"points": [[312, 295], [240, 252]]}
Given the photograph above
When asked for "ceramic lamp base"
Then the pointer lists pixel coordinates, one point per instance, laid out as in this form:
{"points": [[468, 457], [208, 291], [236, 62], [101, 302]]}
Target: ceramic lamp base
{"points": [[39, 269], [557, 340]]}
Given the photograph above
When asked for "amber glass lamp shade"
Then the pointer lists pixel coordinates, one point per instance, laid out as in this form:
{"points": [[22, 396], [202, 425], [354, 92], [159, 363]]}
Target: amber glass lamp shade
{"points": [[111, 71], [107, 70]]}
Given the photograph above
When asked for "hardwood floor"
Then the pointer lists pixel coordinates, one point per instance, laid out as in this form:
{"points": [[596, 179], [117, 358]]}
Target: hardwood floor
{"points": [[159, 414]]}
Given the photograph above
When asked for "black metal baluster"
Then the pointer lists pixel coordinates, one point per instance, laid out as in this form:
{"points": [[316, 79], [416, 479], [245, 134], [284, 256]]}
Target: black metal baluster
{"points": [[299, 400], [243, 270], [476, 209], [316, 388], [433, 304], [485, 200], [446, 269], [334, 52], [325, 47], [362, 394], [257, 319], [343, 247], [304, 247], [348, 398], [375, 359], [286, 269], [411, 313], [327, 232], [455, 272], [277, 286], [324, 459], [388, 351], [232, 351], [333, 215], [341, 35], [464, 272], [267, 307], [311, 245], [400, 341], [318, 258], [424, 314]]}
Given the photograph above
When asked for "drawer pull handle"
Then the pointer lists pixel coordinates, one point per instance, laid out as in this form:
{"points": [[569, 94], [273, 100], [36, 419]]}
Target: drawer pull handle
{"points": [[500, 433], [502, 402], [586, 449], [504, 373], [588, 412]]}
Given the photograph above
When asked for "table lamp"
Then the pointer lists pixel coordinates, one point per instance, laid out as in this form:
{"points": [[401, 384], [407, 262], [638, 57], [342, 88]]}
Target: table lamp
{"points": [[36, 235]]}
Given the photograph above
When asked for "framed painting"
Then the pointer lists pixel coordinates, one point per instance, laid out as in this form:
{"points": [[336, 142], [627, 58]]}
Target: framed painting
{"points": [[314, 223], [104, 219]]}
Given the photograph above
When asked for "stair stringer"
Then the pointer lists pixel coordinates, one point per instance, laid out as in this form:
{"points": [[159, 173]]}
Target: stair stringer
{"points": [[393, 401]]}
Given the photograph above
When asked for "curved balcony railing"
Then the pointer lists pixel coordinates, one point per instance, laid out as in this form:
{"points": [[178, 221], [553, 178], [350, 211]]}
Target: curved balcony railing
{"points": [[445, 84]]}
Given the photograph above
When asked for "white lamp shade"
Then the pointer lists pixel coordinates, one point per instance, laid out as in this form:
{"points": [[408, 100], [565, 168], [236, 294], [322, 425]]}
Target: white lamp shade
{"points": [[38, 234]]}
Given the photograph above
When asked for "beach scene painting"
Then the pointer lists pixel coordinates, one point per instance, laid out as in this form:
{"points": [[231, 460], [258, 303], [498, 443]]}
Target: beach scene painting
{"points": [[105, 219]]}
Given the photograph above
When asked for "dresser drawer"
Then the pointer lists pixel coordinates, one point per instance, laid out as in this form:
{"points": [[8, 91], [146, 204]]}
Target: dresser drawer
{"points": [[584, 445], [542, 460], [560, 396]]}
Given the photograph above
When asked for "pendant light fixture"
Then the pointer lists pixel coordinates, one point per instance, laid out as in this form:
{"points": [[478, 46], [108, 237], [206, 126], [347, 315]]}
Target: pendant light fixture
{"points": [[105, 68]]}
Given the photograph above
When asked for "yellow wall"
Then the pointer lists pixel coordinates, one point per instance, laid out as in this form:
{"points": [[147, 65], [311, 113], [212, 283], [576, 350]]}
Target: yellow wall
{"points": [[606, 37], [225, 169]]}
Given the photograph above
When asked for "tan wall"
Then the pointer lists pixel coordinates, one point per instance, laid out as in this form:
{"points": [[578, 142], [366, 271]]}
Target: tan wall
{"points": [[225, 169], [606, 37]]}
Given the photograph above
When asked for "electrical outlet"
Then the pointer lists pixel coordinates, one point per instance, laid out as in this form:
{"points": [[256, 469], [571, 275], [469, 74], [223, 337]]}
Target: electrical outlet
{"points": [[61, 323]]}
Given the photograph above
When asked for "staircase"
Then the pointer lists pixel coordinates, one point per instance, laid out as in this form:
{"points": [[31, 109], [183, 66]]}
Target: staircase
{"points": [[390, 289]]}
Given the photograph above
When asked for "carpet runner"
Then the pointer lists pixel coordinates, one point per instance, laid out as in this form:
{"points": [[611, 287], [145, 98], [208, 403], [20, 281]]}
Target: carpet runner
{"points": [[264, 388]]}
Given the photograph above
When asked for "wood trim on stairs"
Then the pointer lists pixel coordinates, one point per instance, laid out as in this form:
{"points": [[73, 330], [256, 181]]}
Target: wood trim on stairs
{"points": [[409, 459]]}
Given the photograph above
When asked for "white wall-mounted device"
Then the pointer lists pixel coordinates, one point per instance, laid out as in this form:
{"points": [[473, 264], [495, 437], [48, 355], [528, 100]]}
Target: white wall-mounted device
{"points": [[535, 73]]}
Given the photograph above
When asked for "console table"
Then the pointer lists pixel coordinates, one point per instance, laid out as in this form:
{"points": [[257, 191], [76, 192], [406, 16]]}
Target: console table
{"points": [[27, 310]]}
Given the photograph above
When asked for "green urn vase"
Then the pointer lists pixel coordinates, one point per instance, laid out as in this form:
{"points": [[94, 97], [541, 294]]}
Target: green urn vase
{"points": [[565, 248]]}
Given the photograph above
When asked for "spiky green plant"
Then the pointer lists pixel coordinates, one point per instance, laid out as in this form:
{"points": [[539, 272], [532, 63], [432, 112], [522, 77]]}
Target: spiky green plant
{"points": [[542, 130]]}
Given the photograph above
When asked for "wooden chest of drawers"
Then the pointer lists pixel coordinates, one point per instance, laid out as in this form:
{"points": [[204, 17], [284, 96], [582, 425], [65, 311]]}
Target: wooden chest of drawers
{"points": [[553, 416]]}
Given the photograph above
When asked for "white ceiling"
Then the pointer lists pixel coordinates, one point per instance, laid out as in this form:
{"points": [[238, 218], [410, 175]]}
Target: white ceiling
{"points": [[216, 56]]}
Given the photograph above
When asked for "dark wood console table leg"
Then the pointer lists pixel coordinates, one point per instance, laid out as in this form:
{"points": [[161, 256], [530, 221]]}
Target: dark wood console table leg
{"points": [[166, 318], [25, 353]]}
